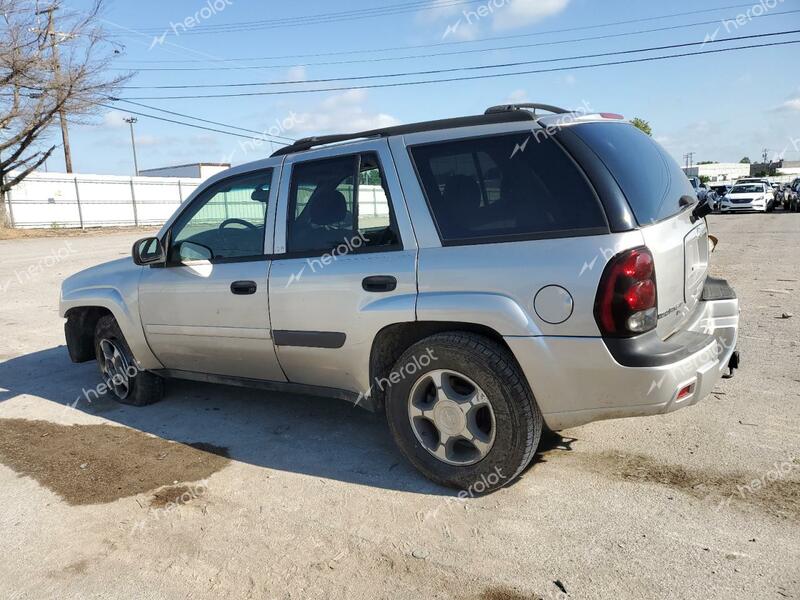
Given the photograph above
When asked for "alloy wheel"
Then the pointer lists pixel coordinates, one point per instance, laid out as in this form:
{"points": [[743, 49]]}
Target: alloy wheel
{"points": [[115, 368], [451, 417]]}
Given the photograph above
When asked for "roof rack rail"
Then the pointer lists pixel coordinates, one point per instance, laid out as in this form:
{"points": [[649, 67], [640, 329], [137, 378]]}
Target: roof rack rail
{"points": [[505, 116], [320, 140], [493, 110]]}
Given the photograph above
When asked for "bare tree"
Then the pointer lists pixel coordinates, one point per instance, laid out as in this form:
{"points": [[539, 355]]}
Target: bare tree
{"points": [[46, 72]]}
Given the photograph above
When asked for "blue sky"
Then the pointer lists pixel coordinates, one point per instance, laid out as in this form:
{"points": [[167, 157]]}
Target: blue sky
{"points": [[721, 107]]}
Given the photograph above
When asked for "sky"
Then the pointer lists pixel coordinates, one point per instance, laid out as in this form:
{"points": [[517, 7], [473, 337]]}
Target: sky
{"points": [[721, 106]]}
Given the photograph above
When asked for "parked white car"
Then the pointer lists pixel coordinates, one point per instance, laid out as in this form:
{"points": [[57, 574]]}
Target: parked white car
{"points": [[749, 196]]}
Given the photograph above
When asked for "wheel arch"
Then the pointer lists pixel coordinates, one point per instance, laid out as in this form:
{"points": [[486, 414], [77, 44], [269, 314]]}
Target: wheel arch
{"points": [[82, 312], [391, 341], [79, 331]]}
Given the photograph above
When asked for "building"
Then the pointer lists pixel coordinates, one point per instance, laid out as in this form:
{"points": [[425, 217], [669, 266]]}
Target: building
{"points": [[789, 167], [195, 170], [719, 172]]}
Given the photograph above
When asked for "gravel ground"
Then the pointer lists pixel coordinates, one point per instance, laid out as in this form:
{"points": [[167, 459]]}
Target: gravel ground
{"points": [[243, 494]]}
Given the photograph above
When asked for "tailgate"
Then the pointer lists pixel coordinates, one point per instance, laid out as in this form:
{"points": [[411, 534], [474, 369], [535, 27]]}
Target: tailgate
{"points": [[658, 192], [680, 254]]}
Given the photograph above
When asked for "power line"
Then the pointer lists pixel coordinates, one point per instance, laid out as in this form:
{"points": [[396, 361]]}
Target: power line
{"points": [[388, 11], [138, 114], [467, 78], [323, 18], [450, 53], [462, 42], [177, 114], [455, 69]]}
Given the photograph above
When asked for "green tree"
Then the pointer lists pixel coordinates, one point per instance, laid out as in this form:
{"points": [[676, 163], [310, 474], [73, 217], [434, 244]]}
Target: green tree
{"points": [[746, 160], [643, 125]]}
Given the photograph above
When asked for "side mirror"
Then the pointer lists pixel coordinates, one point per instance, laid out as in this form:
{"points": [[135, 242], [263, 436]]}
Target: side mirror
{"points": [[192, 251], [148, 251]]}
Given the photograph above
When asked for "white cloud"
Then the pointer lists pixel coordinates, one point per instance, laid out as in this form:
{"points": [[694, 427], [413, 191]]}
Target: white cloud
{"points": [[570, 79], [297, 73], [148, 140], [114, 119], [791, 104], [341, 113], [460, 30], [517, 96], [513, 14], [439, 11], [467, 22]]}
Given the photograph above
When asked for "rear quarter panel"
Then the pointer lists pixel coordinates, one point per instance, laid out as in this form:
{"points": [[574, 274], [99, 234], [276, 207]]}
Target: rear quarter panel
{"points": [[517, 271]]}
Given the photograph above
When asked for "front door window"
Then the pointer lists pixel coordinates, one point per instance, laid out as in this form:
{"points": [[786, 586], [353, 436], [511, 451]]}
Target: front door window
{"points": [[226, 222]]}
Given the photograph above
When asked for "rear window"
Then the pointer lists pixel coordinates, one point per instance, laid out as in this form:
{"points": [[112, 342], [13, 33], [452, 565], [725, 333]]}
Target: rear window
{"points": [[505, 187], [650, 178]]}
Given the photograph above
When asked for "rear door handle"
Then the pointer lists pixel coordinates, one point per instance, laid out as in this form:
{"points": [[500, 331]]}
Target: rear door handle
{"points": [[244, 288], [379, 283]]}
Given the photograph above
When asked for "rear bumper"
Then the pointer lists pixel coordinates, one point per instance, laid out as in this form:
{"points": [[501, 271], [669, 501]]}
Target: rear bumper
{"points": [[580, 380]]}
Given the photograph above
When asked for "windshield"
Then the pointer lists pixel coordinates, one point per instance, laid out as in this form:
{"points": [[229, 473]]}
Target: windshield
{"points": [[748, 189]]}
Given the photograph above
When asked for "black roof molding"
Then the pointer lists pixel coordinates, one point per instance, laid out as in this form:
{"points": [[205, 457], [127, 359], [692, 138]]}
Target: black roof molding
{"points": [[533, 106], [505, 116]]}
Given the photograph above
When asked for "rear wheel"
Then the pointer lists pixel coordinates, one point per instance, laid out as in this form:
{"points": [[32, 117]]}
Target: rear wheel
{"points": [[121, 375], [462, 413]]}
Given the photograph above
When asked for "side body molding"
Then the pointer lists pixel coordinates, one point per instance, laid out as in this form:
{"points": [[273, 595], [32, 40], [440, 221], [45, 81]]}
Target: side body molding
{"points": [[495, 311]]}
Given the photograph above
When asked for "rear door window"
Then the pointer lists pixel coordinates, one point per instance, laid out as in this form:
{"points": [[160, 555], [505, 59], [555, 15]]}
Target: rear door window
{"points": [[505, 187], [651, 180], [341, 203]]}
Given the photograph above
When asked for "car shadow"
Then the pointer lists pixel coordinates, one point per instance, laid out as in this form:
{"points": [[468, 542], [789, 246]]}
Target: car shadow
{"points": [[320, 437]]}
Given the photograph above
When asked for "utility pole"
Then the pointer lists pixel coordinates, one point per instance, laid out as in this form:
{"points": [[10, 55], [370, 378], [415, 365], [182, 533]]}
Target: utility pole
{"points": [[765, 155], [130, 121], [689, 158], [51, 34]]}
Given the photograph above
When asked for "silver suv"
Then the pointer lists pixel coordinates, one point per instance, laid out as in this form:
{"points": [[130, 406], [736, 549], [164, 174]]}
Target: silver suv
{"points": [[477, 279]]}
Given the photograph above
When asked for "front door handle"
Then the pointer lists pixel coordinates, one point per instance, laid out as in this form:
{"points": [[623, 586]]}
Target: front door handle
{"points": [[244, 288], [379, 283]]}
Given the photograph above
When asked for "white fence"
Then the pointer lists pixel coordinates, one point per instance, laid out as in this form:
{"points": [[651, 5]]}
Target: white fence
{"points": [[66, 200]]}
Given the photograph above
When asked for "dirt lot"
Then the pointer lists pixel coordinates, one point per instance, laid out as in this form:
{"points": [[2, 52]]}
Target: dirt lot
{"points": [[17, 234], [223, 493]]}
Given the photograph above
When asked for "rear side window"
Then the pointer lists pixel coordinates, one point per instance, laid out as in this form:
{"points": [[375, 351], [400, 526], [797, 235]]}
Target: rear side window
{"points": [[651, 180], [505, 187]]}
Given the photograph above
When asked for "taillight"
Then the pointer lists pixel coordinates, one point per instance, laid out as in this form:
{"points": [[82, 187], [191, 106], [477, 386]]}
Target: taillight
{"points": [[627, 298]]}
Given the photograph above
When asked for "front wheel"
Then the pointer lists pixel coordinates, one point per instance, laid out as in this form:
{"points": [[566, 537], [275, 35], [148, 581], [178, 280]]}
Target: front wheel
{"points": [[121, 375], [460, 409]]}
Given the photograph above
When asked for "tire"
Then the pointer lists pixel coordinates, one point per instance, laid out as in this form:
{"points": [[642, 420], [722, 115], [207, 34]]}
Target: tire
{"points": [[127, 383], [503, 410]]}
